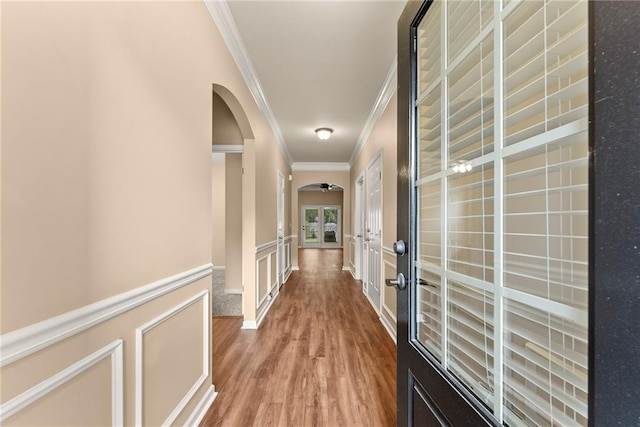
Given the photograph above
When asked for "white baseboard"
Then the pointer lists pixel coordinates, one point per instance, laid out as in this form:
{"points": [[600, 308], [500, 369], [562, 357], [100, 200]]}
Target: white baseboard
{"points": [[255, 324], [202, 407], [353, 273], [219, 267], [233, 291], [345, 268], [389, 329], [249, 324], [295, 268]]}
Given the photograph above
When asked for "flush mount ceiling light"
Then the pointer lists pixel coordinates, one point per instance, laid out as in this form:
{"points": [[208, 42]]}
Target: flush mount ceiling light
{"points": [[462, 167], [324, 133]]}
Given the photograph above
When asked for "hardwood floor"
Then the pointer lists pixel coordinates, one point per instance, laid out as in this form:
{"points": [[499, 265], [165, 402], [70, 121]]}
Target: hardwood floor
{"points": [[320, 358]]}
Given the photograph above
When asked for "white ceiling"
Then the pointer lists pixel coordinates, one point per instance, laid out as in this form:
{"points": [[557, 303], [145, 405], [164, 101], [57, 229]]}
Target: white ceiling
{"points": [[320, 64]]}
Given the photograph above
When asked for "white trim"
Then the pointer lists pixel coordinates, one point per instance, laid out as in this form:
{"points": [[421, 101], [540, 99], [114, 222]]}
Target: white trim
{"points": [[292, 236], [390, 264], [234, 291], [264, 311], [249, 324], [225, 23], [265, 246], [388, 250], [218, 267], [353, 273], [202, 407], [320, 167], [267, 257], [139, 357], [295, 268], [23, 342], [220, 148], [345, 268], [393, 334], [384, 96], [112, 350], [255, 324]]}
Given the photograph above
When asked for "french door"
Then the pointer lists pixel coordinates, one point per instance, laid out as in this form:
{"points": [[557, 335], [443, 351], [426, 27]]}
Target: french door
{"points": [[321, 226]]}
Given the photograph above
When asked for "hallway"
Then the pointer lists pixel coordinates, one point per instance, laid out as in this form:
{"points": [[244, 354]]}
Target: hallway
{"points": [[321, 357]]}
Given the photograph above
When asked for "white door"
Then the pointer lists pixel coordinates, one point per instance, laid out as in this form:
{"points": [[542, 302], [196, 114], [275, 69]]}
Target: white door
{"points": [[280, 250], [359, 229], [373, 231]]}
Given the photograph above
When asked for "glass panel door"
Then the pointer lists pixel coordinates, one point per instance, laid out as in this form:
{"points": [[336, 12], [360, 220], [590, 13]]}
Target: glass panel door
{"points": [[322, 226], [311, 227], [330, 234], [501, 192]]}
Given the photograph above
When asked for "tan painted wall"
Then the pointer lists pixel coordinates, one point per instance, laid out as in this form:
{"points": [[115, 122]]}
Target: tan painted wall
{"points": [[233, 225], [383, 138], [218, 216], [107, 187], [225, 127], [302, 178]]}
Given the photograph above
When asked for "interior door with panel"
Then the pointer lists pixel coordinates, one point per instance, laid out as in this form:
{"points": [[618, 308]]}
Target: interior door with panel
{"points": [[493, 324], [373, 230]]}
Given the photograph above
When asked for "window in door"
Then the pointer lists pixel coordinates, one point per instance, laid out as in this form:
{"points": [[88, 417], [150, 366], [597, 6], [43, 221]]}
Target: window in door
{"points": [[501, 186]]}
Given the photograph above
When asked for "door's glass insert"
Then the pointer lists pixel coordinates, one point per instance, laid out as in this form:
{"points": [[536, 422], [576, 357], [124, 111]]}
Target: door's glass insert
{"points": [[330, 225], [311, 226], [430, 225], [470, 338], [470, 223], [502, 224], [428, 307]]}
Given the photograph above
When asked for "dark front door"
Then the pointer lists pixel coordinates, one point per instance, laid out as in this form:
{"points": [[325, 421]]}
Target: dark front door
{"points": [[493, 161]]}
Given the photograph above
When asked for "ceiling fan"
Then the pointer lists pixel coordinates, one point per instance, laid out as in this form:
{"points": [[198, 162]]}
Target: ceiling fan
{"points": [[326, 187]]}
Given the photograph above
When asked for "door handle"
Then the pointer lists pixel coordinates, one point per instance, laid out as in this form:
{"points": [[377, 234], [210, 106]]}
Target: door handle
{"points": [[400, 282]]}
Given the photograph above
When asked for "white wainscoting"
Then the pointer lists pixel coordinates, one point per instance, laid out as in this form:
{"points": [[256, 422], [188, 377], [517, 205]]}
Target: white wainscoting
{"points": [[387, 314], [23, 342], [139, 397], [35, 338], [32, 395]]}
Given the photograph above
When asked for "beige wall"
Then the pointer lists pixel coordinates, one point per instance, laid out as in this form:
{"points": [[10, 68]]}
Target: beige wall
{"points": [[233, 225], [107, 193], [218, 179], [384, 139], [302, 178], [225, 127]]}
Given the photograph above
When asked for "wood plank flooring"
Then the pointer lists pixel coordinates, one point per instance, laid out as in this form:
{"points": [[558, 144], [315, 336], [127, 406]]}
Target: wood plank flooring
{"points": [[320, 358]]}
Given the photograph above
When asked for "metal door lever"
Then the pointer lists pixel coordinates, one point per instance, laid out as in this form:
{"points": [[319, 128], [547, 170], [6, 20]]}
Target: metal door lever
{"points": [[400, 282]]}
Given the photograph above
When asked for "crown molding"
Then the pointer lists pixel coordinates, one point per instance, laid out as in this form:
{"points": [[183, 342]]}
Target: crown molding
{"points": [[225, 23], [389, 87], [320, 167]]}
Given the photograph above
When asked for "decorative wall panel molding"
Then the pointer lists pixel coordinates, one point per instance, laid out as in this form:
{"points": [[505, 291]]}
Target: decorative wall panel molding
{"points": [[23, 342], [206, 327], [112, 351]]}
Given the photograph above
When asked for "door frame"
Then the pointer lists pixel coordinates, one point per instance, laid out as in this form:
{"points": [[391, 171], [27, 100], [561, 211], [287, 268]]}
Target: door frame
{"points": [[280, 226], [376, 158], [358, 228]]}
